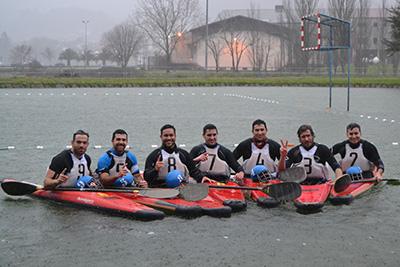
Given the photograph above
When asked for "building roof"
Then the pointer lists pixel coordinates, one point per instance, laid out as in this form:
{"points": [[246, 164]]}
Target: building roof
{"points": [[241, 23], [277, 15]]}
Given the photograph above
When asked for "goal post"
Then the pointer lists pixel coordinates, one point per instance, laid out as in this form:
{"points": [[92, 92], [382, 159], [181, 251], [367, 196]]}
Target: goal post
{"points": [[320, 32]]}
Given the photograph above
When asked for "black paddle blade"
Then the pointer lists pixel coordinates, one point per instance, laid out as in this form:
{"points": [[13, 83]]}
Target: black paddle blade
{"points": [[194, 192], [159, 192], [392, 181], [342, 183], [294, 174], [283, 191], [16, 188]]}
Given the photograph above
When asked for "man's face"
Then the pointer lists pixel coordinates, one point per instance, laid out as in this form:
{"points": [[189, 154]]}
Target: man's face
{"points": [[80, 144], [120, 142], [354, 135], [259, 132], [168, 137], [306, 139], [210, 137]]}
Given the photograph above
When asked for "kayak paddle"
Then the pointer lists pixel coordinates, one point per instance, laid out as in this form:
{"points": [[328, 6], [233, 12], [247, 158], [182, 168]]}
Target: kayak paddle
{"points": [[20, 188], [280, 191], [345, 181], [294, 174]]}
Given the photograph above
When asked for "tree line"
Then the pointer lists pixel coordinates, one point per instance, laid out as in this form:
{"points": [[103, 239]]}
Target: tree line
{"points": [[160, 24]]}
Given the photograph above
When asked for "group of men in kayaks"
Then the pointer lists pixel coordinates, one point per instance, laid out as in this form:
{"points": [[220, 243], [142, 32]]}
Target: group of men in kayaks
{"points": [[171, 166]]}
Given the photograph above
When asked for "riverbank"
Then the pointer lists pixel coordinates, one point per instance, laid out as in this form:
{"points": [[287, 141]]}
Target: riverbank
{"points": [[165, 81]]}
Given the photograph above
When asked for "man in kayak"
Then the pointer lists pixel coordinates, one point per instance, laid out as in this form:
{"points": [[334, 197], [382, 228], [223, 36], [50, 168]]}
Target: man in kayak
{"points": [[67, 167], [168, 158], [260, 150], [214, 160], [358, 152], [313, 157], [119, 167]]}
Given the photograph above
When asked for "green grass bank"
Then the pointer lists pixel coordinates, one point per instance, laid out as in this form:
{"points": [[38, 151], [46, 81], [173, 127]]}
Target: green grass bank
{"points": [[164, 81]]}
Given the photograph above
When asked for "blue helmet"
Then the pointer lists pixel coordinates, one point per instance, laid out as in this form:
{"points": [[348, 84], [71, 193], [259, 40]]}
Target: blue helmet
{"points": [[260, 173], [174, 179], [355, 172], [84, 181], [125, 180]]}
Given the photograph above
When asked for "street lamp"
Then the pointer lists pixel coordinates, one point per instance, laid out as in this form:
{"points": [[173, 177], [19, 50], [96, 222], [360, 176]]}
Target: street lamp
{"points": [[86, 23]]}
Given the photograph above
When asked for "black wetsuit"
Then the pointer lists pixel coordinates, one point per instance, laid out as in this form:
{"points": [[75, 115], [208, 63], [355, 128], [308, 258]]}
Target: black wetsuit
{"points": [[363, 154], [152, 176], [224, 154]]}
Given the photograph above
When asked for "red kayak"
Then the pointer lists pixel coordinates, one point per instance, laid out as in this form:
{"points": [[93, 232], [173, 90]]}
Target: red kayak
{"points": [[347, 196], [260, 197], [109, 202], [229, 197], [180, 207], [313, 197]]}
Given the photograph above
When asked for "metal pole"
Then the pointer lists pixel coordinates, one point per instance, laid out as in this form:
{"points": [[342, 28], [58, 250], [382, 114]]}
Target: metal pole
{"points": [[206, 41], [330, 59], [348, 68], [85, 22]]}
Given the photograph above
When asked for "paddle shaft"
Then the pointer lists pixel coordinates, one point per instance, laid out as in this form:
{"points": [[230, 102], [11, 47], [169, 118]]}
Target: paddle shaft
{"points": [[235, 187], [374, 180]]}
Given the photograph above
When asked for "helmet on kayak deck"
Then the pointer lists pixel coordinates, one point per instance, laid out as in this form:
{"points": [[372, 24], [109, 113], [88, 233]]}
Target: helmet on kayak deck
{"points": [[260, 173], [84, 181], [355, 172], [174, 179], [125, 180]]}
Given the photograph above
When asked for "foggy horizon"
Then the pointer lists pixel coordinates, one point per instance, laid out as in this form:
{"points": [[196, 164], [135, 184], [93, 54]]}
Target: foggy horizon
{"points": [[62, 20]]}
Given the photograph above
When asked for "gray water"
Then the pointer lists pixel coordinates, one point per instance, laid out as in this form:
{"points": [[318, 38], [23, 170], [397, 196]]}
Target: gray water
{"points": [[37, 233]]}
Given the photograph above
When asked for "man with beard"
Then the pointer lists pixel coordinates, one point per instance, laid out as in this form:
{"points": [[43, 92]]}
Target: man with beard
{"points": [[358, 152], [260, 150], [168, 158], [119, 167], [70, 165], [215, 160], [312, 156]]}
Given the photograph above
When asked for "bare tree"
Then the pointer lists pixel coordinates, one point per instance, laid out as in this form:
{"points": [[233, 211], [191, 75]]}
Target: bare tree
{"points": [[48, 54], [345, 10], [293, 16], [21, 54], [122, 42], [259, 46], [383, 29], [165, 21], [361, 40], [215, 43]]}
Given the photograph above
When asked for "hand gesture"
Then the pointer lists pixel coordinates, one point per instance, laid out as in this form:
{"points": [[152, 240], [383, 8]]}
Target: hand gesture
{"points": [[123, 171], [140, 181], [159, 163], [62, 177], [284, 148], [202, 157]]}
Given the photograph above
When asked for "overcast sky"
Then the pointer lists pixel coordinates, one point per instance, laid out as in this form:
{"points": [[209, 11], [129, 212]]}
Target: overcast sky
{"points": [[62, 19]]}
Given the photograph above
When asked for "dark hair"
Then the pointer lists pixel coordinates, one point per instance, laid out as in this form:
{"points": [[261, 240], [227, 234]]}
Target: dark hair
{"points": [[353, 125], [119, 131], [79, 132], [167, 126], [209, 126], [257, 122], [304, 128]]}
